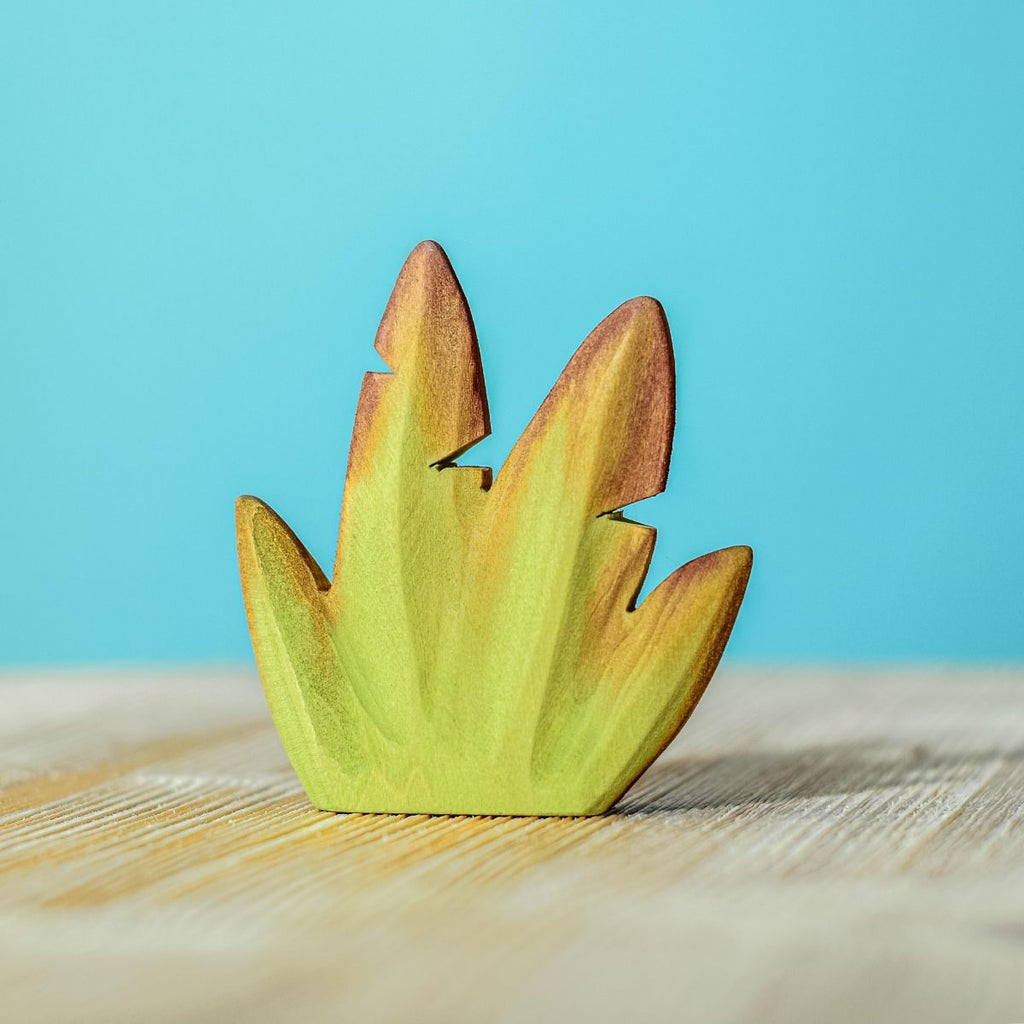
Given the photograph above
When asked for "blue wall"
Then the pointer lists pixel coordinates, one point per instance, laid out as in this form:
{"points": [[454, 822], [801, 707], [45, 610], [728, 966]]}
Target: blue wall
{"points": [[203, 207]]}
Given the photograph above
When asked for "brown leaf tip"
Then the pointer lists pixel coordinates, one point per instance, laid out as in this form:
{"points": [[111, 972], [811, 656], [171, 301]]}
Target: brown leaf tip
{"points": [[426, 295], [427, 337]]}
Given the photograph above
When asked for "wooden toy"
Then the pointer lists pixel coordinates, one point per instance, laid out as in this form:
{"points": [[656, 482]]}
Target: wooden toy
{"points": [[479, 648]]}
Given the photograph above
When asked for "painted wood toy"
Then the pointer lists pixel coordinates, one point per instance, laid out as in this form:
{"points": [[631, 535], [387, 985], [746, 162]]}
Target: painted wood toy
{"points": [[479, 648]]}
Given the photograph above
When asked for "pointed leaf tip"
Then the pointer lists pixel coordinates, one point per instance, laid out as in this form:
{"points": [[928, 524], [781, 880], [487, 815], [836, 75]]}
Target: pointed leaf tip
{"points": [[426, 287], [615, 399], [255, 523], [427, 338]]}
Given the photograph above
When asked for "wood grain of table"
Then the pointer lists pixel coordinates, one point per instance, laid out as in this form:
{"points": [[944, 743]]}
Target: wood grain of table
{"points": [[818, 845]]}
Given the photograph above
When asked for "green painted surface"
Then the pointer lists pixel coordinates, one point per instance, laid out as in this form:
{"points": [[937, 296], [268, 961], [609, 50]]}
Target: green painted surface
{"points": [[477, 650]]}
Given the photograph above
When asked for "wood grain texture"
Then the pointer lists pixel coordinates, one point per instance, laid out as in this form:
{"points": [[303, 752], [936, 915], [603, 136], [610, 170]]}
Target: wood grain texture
{"points": [[479, 648], [816, 846]]}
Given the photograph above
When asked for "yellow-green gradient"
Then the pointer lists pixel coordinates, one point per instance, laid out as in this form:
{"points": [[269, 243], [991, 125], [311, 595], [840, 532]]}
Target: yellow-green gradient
{"points": [[478, 650]]}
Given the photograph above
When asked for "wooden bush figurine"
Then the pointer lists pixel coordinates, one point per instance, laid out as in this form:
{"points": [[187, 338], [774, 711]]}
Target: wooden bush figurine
{"points": [[478, 648]]}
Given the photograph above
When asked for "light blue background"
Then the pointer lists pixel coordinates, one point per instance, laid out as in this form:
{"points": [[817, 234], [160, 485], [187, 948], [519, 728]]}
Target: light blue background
{"points": [[204, 205]]}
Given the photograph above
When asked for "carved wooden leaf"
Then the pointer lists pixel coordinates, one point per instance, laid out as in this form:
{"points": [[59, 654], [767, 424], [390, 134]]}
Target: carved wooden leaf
{"points": [[478, 649]]}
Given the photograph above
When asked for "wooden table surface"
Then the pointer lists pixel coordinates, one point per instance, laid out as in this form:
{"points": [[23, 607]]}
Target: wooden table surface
{"points": [[817, 846]]}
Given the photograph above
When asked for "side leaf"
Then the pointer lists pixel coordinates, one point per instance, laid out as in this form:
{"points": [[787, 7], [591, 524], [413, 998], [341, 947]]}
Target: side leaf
{"points": [[303, 679]]}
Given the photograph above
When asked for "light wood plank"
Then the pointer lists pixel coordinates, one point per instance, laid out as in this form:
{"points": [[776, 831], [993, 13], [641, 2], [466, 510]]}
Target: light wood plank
{"points": [[817, 845]]}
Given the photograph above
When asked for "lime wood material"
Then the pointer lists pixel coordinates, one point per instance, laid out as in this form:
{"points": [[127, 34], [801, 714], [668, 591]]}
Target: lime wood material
{"points": [[479, 648]]}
